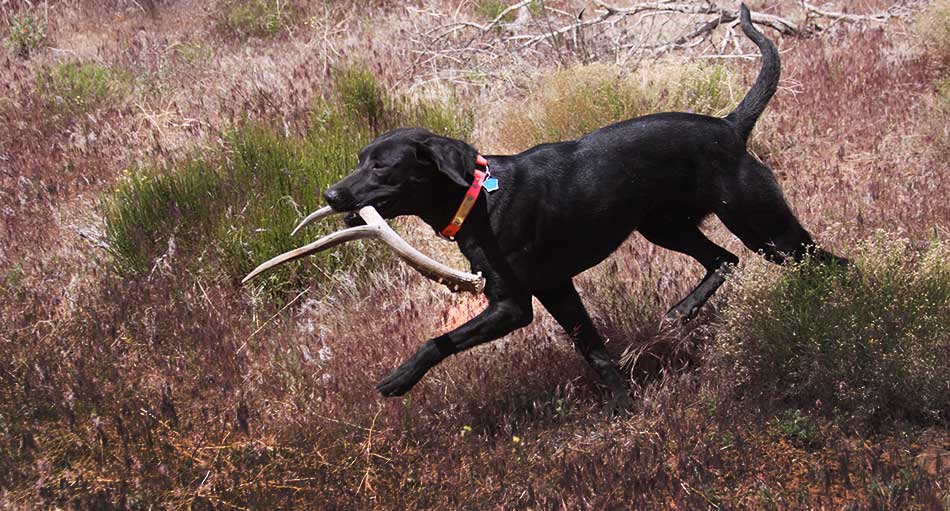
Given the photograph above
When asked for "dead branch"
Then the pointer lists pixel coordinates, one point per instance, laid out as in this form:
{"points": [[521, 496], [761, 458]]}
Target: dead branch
{"points": [[636, 30], [782, 25], [723, 15], [895, 10]]}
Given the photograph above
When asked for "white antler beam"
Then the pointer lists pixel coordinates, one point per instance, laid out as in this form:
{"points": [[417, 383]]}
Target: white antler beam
{"points": [[376, 227]]}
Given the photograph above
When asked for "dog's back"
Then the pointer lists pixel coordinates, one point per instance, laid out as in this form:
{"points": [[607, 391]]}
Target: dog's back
{"points": [[640, 174]]}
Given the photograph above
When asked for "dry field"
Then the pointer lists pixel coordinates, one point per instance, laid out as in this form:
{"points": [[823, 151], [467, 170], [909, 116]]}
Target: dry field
{"points": [[152, 151]]}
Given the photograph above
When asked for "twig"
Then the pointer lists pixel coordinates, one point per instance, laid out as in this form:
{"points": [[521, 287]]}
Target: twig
{"points": [[724, 15], [282, 309], [365, 481], [504, 13], [854, 18], [94, 238]]}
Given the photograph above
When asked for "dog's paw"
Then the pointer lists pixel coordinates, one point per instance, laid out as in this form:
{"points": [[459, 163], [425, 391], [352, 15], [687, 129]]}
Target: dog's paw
{"points": [[672, 320], [619, 406], [400, 381], [681, 314]]}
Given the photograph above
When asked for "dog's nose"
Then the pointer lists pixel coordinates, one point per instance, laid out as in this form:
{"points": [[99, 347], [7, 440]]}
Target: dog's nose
{"points": [[337, 199]]}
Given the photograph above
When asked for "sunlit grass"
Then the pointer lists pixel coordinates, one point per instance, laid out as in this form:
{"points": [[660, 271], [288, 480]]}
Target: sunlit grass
{"points": [[578, 100], [869, 343], [262, 18], [227, 212], [80, 87]]}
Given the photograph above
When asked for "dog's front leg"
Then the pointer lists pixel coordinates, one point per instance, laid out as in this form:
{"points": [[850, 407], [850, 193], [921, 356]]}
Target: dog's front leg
{"points": [[500, 318]]}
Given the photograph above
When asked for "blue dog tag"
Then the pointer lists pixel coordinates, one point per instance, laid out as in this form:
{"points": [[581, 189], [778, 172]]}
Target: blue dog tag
{"points": [[490, 184]]}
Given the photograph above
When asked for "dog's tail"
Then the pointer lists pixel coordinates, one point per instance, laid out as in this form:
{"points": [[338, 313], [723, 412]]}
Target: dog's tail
{"points": [[751, 107]]}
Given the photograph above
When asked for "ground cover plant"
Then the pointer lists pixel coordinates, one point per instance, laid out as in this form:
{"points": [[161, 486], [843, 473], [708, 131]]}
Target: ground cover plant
{"points": [[26, 34], [262, 18], [578, 100], [236, 208], [77, 88], [135, 373], [870, 345]]}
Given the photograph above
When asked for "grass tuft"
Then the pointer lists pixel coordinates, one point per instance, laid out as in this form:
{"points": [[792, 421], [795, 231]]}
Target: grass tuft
{"points": [[933, 28], [797, 428], [26, 35], [361, 96], [77, 88], [699, 88], [491, 9], [225, 213], [260, 18], [939, 126], [576, 101], [867, 344], [194, 52]]}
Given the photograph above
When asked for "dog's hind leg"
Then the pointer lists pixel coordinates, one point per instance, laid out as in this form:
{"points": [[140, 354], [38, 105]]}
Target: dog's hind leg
{"points": [[565, 305], [682, 235], [754, 209]]}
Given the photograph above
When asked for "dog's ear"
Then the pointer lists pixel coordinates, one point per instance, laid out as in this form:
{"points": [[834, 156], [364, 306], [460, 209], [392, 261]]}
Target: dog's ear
{"points": [[454, 158]]}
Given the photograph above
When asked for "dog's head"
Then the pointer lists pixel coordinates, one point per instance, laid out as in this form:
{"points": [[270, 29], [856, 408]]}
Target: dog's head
{"points": [[404, 172]]}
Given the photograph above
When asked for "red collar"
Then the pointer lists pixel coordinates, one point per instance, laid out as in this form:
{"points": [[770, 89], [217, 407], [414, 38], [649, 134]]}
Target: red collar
{"points": [[468, 201]]}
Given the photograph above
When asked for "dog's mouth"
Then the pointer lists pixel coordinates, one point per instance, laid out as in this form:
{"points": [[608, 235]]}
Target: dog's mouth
{"points": [[385, 208]]}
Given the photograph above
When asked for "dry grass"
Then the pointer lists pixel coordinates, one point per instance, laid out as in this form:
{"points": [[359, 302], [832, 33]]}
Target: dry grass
{"points": [[176, 388], [933, 29], [578, 100]]}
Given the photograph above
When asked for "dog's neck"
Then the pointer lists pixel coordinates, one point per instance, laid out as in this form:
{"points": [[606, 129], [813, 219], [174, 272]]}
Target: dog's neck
{"points": [[439, 213], [477, 229]]}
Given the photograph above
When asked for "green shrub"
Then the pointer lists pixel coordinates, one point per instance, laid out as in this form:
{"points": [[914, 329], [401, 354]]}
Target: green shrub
{"points": [[78, 88], [361, 96], [943, 93], [227, 213], [700, 88], [26, 34], [940, 120], [797, 428], [261, 18], [148, 208], [491, 9], [576, 101], [194, 52], [870, 344], [361, 99]]}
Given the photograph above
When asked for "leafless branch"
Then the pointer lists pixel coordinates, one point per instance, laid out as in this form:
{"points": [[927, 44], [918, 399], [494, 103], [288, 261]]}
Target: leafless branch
{"points": [[636, 30]]}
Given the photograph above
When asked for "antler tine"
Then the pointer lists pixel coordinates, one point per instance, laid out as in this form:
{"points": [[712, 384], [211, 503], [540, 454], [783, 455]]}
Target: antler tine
{"points": [[376, 227], [328, 241], [313, 217]]}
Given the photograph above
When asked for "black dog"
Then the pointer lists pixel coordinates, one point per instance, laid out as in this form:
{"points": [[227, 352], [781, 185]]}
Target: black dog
{"points": [[562, 208]]}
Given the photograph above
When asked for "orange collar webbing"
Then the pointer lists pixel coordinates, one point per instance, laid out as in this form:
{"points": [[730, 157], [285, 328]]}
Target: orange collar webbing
{"points": [[468, 201]]}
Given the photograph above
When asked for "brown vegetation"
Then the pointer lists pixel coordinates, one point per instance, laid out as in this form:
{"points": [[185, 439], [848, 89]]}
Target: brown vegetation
{"points": [[172, 387]]}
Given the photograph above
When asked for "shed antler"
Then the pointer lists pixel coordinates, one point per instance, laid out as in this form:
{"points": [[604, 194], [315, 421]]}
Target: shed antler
{"points": [[376, 227]]}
